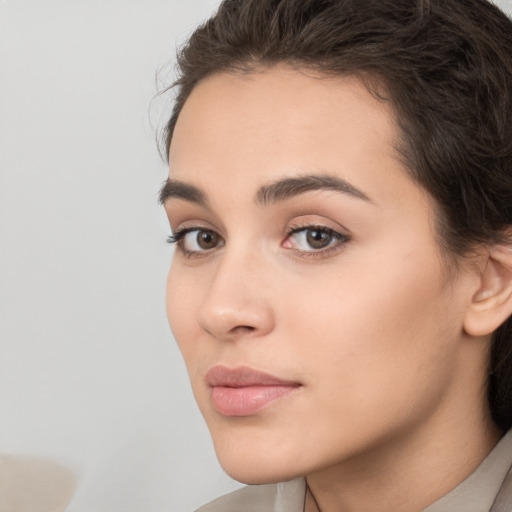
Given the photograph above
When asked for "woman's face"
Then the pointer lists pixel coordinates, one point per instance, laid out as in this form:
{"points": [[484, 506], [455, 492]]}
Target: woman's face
{"points": [[307, 292]]}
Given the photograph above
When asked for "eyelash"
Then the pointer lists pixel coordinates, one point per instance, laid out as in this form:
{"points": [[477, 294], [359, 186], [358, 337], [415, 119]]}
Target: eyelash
{"points": [[341, 239]]}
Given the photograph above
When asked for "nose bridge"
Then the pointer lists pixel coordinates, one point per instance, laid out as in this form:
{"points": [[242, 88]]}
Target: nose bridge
{"points": [[237, 301]]}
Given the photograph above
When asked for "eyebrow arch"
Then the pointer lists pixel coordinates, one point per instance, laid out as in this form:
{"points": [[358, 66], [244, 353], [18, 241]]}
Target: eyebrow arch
{"points": [[180, 190], [287, 188], [279, 190]]}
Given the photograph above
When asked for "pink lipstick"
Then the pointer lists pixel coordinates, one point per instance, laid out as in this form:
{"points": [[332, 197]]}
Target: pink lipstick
{"points": [[243, 391]]}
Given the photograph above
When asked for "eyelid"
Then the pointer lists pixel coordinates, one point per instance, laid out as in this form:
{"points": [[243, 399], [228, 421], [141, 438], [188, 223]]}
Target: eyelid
{"points": [[300, 225], [316, 227], [186, 227]]}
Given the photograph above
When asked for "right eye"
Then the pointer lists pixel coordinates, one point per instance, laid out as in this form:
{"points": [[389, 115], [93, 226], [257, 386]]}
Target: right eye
{"points": [[194, 240]]}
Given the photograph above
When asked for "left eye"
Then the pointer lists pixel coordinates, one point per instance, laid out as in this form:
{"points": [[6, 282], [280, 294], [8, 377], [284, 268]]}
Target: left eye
{"points": [[313, 239]]}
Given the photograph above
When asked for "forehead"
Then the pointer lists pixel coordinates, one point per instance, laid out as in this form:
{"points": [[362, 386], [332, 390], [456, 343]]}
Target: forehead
{"points": [[246, 129]]}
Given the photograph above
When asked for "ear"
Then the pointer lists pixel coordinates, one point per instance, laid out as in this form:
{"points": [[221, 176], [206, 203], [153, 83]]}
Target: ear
{"points": [[491, 305]]}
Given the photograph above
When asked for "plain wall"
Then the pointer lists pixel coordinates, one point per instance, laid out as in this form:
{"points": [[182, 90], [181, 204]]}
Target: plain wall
{"points": [[90, 376]]}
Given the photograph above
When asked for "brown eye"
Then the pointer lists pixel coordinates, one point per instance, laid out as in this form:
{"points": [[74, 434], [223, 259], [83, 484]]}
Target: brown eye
{"points": [[317, 239], [207, 239], [311, 240], [196, 241]]}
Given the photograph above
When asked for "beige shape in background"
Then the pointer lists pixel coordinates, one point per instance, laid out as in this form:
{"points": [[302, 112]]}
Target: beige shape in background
{"points": [[34, 484]]}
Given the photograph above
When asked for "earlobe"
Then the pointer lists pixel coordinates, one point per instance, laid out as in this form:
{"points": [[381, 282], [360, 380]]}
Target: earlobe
{"points": [[491, 304]]}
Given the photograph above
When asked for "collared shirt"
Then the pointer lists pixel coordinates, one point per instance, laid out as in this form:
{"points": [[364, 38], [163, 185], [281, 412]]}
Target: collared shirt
{"points": [[477, 492], [474, 494]]}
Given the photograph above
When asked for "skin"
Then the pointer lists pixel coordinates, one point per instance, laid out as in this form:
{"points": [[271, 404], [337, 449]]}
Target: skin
{"points": [[391, 412]]}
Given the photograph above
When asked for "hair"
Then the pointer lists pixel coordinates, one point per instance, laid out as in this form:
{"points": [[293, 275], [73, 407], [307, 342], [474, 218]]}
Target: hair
{"points": [[445, 66]]}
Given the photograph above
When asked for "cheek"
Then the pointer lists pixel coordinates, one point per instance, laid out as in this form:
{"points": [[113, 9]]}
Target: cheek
{"points": [[370, 334]]}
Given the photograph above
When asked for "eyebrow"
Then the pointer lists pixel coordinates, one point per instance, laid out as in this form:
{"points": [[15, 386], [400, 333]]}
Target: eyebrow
{"points": [[280, 190], [178, 189], [287, 188]]}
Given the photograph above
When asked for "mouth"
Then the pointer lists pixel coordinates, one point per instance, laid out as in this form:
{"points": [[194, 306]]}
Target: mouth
{"points": [[244, 391]]}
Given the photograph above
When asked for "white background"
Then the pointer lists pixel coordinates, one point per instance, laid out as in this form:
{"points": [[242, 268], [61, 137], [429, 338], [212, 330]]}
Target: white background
{"points": [[89, 374]]}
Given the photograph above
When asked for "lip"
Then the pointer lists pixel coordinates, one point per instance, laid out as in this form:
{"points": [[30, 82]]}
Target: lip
{"points": [[244, 391]]}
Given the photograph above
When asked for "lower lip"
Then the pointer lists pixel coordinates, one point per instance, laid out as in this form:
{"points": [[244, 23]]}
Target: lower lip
{"points": [[246, 401]]}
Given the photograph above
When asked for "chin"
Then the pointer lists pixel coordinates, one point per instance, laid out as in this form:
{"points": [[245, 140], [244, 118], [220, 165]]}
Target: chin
{"points": [[250, 462], [248, 473]]}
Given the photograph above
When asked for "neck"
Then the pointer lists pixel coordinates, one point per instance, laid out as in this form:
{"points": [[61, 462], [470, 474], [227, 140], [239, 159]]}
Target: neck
{"points": [[405, 474]]}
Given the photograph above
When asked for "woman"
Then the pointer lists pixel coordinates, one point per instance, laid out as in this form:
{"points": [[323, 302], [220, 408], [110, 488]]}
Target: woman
{"points": [[340, 196]]}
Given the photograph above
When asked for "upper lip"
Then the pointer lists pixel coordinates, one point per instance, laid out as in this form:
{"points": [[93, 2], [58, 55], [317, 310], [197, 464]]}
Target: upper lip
{"points": [[243, 377]]}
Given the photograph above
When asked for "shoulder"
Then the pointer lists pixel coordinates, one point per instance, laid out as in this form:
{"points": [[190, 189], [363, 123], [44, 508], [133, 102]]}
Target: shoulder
{"points": [[285, 497]]}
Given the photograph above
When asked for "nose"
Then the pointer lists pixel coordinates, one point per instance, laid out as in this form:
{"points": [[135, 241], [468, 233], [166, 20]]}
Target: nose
{"points": [[238, 301]]}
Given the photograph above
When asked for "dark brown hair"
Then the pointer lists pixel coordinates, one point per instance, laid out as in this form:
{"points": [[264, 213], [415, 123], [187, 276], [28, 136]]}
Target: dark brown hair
{"points": [[445, 66]]}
